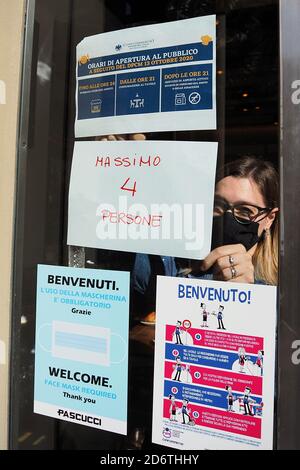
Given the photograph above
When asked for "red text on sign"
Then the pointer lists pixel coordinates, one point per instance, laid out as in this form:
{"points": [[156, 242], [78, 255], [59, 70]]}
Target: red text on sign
{"points": [[151, 220]]}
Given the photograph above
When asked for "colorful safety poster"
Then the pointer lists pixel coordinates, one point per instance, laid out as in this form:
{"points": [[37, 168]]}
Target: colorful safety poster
{"points": [[144, 197], [150, 78], [214, 365], [81, 350]]}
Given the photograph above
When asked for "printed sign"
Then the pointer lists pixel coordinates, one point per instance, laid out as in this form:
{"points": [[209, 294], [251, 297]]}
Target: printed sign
{"points": [[81, 353], [147, 79], [144, 196], [215, 387]]}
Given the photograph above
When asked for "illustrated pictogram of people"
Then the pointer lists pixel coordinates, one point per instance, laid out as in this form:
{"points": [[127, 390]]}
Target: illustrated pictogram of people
{"points": [[173, 408], [242, 360], [259, 409], [179, 368], [205, 314], [230, 398], [220, 318], [260, 361], [185, 411], [247, 401], [188, 373], [178, 332]]}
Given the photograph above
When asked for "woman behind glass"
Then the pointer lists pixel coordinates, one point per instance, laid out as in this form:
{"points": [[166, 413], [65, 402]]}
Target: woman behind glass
{"points": [[245, 215]]}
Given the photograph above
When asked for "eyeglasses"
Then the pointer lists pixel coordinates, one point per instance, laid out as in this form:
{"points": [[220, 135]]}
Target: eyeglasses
{"points": [[243, 213]]}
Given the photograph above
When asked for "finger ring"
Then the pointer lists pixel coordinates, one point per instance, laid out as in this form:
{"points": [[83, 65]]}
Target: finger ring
{"points": [[231, 260], [233, 272]]}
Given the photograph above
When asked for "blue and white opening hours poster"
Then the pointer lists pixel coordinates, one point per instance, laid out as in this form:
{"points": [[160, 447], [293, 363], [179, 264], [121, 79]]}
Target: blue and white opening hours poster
{"points": [[150, 78], [81, 352], [214, 365]]}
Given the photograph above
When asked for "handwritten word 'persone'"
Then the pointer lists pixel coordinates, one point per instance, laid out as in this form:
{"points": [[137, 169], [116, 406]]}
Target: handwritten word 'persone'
{"points": [[128, 219], [150, 161]]}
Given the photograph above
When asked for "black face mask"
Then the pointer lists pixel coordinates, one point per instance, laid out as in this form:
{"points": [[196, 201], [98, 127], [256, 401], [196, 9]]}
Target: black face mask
{"points": [[227, 231]]}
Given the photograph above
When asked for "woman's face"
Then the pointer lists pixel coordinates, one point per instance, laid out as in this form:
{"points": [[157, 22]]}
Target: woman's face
{"points": [[244, 191]]}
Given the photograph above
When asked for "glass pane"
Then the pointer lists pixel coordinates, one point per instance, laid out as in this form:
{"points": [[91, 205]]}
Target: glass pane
{"points": [[247, 107]]}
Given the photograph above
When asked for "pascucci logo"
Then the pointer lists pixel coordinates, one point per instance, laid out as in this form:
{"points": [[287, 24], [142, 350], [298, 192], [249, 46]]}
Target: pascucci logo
{"points": [[118, 47]]}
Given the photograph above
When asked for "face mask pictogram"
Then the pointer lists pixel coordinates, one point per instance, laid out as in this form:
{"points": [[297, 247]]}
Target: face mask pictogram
{"points": [[81, 343]]}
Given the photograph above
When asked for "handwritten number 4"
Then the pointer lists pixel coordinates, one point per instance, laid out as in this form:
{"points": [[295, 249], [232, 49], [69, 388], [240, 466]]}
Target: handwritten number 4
{"points": [[131, 190]]}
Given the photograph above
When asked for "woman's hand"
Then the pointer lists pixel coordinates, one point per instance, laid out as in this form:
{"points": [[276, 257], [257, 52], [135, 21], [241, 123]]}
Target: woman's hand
{"points": [[113, 137], [231, 263]]}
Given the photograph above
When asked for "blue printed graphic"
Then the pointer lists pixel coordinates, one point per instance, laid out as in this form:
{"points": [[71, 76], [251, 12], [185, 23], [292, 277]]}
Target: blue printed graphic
{"points": [[81, 353], [138, 92], [187, 88], [96, 97], [204, 357], [206, 396], [80, 342], [148, 58]]}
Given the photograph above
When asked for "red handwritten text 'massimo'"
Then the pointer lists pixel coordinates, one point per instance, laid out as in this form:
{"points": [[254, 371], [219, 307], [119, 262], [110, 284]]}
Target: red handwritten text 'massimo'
{"points": [[142, 161]]}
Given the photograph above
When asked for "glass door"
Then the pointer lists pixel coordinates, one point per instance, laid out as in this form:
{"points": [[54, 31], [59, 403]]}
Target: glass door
{"points": [[248, 125]]}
